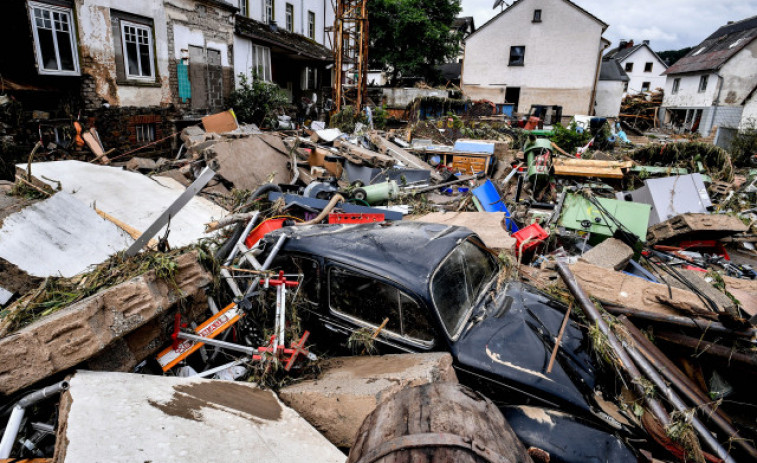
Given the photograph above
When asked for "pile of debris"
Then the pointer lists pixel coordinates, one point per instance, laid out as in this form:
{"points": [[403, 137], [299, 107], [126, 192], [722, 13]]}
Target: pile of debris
{"points": [[639, 111], [252, 295]]}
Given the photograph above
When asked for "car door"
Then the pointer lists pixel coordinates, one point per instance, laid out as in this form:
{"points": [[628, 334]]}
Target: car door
{"points": [[360, 302]]}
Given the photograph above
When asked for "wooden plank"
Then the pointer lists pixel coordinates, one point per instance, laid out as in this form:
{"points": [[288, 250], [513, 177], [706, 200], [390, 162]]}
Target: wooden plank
{"points": [[408, 159], [373, 158], [590, 168]]}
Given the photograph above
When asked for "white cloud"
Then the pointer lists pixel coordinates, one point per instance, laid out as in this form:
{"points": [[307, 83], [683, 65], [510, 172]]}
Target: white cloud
{"points": [[667, 24]]}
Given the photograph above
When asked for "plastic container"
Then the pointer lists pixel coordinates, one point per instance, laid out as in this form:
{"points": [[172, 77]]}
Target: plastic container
{"points": [[261, 230], [533, 233]]}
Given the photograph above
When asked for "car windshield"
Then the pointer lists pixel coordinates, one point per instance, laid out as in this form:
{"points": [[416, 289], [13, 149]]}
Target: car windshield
{"points": [[458, 282]]}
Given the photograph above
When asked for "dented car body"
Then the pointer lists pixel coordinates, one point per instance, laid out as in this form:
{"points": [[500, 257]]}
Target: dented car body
{"points": [[437, 287]]}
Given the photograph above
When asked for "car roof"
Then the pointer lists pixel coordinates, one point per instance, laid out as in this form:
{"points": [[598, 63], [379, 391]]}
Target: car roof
{"points": [[406, 252]]}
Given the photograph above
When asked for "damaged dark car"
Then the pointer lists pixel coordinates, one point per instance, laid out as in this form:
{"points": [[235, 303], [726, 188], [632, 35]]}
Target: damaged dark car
{"points": [[438, 288]]}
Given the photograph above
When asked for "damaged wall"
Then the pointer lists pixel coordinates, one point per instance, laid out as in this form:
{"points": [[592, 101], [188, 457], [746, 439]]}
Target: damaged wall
{"points": [[203, 34], [560, 60], [101, 52]]}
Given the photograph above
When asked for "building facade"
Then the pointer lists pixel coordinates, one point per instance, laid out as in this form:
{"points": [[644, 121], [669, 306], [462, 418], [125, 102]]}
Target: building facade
{"points": [[642, 66], [713, 85], [545, 52]]}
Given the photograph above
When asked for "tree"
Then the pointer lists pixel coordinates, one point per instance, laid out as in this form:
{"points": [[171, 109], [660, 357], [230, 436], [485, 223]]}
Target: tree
{"points": [[410, 37], [671, 56]]}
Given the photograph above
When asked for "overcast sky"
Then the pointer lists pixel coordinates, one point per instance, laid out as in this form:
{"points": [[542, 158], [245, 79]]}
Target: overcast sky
{"points": [[667, 24]]}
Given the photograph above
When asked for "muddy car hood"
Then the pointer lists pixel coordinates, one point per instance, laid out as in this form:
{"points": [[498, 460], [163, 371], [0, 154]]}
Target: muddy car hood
{"points": [[514, 347]]}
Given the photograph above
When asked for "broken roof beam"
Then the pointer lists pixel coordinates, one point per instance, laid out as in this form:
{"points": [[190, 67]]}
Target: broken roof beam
{"points": [[408, 159], [361, 156]]}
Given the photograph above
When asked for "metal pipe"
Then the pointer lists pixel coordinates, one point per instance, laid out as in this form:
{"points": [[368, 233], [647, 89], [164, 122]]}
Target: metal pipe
{"points": [[625, 361], [17, 415], [679, 404], [706, 347], [704, 325], [681, 382], [215, 370], [216, 342], [267, 264]]}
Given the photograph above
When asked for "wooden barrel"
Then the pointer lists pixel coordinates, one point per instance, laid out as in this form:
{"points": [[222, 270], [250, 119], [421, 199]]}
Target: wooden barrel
{"points": [[438, 422]]}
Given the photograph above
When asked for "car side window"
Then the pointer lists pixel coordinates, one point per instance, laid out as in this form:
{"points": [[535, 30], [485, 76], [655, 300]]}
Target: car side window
{"points": [[370, 301], [308, 268]]}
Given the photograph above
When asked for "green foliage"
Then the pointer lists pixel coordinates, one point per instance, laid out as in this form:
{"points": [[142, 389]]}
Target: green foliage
{"points": [[410, 37], [744, 144], [568, 139], [346, 119], [255, 102], [671, 56]]}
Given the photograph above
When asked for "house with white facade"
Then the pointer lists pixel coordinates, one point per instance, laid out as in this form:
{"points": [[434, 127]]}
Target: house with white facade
{"points": [[286, 42], [641, 64], [611, 88], [545, 52], [713, 85]]}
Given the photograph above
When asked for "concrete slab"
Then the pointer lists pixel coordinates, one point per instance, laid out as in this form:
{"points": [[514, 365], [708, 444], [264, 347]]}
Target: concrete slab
{"points": [[248, 162], [489, 226], [122, 417], [130, 197], [60, 236], [610, 253], [71, 335], [349, 389]]}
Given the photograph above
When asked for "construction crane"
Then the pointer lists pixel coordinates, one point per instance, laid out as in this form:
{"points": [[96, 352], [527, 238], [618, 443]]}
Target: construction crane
{"points": [[350, 53]]}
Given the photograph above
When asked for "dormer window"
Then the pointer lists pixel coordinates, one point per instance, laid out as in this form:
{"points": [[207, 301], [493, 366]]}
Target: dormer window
{"points": [[537, 16]]}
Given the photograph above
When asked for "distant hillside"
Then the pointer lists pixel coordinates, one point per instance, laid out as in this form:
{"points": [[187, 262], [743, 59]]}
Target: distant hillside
{"points": [[671, 56]]}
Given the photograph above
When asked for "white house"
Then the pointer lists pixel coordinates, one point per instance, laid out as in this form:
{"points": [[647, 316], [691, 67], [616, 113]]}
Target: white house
{"points": [[286, 42], [642, 65], [611, 87], [536, 52], [712, 84]]}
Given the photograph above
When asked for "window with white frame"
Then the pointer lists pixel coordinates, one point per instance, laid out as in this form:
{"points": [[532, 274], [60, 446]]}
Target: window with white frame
{"points": [[145, 133], [243, 7], [290, 17], [311, 25], [260, 63], [54, 39], [703, 83], [269, 11], [309, 78], [137, 50]]}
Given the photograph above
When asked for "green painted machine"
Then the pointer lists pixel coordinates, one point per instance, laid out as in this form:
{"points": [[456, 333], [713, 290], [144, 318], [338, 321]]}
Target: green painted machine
{"points": [[538, 152], [579, 214]]}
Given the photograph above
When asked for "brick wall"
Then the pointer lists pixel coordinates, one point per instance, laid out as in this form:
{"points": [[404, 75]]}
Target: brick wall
{"points": [[117, 128]]}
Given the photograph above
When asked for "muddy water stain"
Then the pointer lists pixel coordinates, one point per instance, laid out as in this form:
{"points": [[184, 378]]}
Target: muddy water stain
{"points": [[189, 399]]}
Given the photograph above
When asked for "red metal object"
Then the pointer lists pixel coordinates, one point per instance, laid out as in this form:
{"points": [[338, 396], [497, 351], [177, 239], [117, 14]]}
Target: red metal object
{"points": [[355, 218], [532, 235], [177, 326], [708, 246], [298, 348], [261, 230], [281, 281]]}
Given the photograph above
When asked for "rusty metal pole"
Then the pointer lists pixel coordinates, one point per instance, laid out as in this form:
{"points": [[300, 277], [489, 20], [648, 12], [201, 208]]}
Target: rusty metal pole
{"points": [[625, 361], [685, 386], [679, 404]]}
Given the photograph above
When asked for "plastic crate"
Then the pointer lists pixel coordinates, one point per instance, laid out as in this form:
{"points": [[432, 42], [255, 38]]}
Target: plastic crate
{"points": [[533, 233]]}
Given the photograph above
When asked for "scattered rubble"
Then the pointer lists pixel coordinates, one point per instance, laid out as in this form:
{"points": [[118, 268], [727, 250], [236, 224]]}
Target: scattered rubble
{"points": [[601, 294]]}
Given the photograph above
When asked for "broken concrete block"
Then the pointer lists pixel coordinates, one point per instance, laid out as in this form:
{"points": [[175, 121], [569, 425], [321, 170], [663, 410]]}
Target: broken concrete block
{"points": [[610, 253], [122, 417], [633, 292], [76, 333], [349, 389], [248, 162], [192, 135], [697, 279], [699, 226], [745, 291], [141, 164]]}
